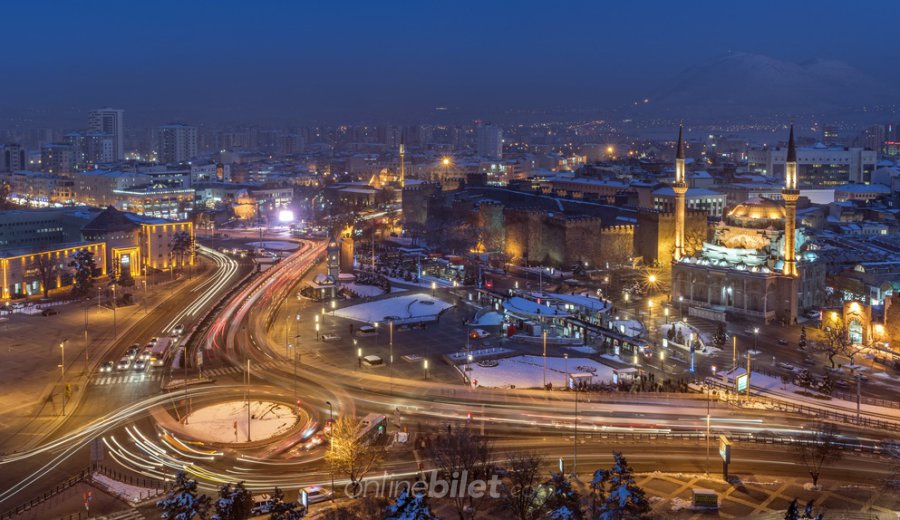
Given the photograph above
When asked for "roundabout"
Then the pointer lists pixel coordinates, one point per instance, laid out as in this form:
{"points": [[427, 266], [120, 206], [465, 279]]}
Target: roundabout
{"points": [[233, 422]]}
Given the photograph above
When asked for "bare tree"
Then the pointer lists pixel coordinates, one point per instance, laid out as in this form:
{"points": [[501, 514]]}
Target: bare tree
{"points": [[519, 489], [47, 271], [349, 454], [837, 342], [181, 245], [819, 450], [461, 452]]}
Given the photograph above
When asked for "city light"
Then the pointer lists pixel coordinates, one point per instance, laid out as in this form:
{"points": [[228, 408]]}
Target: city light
{"points": [[285, 216]]}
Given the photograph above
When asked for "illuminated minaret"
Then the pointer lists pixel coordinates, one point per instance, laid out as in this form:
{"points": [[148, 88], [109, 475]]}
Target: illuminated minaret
{"points": [[402, 165], [680, 188], [790, 194]]}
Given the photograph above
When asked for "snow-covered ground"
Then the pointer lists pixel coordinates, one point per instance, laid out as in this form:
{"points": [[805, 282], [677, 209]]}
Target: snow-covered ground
{"points": [[686, 331], [275, 245], [363, 291], [631, 328], [488, 319], [216, 423], [404, 307], [528, 371], [127, 492]]}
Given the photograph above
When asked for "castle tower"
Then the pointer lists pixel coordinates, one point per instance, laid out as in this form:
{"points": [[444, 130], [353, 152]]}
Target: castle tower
{"points": [[680, 188], [790, 194]]}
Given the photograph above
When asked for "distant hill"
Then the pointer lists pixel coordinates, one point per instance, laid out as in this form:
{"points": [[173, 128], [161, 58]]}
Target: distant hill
{"points": [[744, 85]]}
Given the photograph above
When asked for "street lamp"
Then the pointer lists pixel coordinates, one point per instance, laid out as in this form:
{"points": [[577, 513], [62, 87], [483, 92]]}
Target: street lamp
{"points": [[331, 444], [425, 365], [650, 319], [358, 353], [666, 312], [317, 331], [755, 337], [681, 306], [62, 368], [433, 287]]}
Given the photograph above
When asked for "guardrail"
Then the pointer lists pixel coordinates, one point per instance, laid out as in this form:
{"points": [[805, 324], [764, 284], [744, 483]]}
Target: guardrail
{"points": [[803, 409], [43, 497]]}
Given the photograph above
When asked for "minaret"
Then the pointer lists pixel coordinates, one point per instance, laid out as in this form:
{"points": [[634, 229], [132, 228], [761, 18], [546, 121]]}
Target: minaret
{"points": [[680, 188], [790, 194], [402, 164]]}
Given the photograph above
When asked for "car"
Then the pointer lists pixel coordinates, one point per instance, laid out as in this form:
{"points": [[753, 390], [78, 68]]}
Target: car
{"points": [[49, 312], [316, 494], [785, 365], [840, 383], [782, 341], [124, 363], [330, 337], [146, 353], [372, 360], [139, 365], [478, 334], [133, 351], [107, 366], [366, 329], [809, 361], [262, 504], [178, 330], [153, 341], [316, 440]]}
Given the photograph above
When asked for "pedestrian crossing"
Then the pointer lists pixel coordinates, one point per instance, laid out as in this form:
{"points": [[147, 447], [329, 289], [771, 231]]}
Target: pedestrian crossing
{"points": [[114, 379], [117, 379]]}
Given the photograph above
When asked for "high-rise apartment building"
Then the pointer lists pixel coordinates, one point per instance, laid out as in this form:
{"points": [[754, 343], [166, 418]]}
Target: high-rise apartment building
{"points": [[12, 157], [177, 143], [90, 149], [57, 158], [110, 121], [489, 141]]}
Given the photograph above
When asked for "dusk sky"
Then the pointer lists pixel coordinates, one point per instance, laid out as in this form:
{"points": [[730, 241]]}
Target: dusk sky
{"points": [[331, 61]]}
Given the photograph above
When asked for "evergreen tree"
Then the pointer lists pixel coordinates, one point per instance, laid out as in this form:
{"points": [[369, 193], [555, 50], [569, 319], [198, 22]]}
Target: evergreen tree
{"points": [[182, 502], [720, 337], [282, 510], [598, 493], [802, 342], [805, 378], [234, 503], [84, 266], [827, 384], [792, 513], [564, 501], [624, 499], [409, 506]]}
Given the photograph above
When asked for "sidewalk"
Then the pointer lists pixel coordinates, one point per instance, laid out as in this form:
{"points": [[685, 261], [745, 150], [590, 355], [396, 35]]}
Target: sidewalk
{"points": [[33, 396]]}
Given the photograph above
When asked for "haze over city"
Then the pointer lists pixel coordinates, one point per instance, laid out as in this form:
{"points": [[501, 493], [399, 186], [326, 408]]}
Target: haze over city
{"points": [[474, 260]]}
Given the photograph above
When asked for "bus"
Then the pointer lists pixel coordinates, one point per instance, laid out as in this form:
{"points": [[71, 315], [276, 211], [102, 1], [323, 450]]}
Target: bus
{"points": [[371, 427], [160, 352]]}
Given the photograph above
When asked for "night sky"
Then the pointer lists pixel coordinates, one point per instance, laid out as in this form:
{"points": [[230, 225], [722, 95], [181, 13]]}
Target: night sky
{"points": [[330, 61]]}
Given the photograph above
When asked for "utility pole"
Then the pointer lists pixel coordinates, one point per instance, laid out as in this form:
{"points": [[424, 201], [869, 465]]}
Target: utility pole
{"points": [[248, 400], [544, 332]]}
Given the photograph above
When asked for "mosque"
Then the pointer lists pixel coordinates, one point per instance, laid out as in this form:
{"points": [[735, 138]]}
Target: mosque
{"points": [[758, 265]]}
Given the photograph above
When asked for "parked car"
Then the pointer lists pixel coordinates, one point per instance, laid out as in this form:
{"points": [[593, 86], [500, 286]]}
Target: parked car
{"points": [[124, 363], [316, 494], [262, 504], [478, 333], [49, 312], [809, 361], [786, 366], [107, 366], [330, 337], [366, 329]]}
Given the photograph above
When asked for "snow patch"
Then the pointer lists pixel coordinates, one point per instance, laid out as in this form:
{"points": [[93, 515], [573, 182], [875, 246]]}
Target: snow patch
{"points": [[216, 423], [403, 307], [528, 372], [133, 494]]}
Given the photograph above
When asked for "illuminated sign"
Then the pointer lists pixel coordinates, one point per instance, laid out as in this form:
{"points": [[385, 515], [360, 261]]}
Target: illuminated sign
{"points": [[742, 382], [725, 449]]}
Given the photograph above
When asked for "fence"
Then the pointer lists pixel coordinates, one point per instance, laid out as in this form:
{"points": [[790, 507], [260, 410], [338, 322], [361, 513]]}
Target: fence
{"points": [[46, 495], [792, 407]]}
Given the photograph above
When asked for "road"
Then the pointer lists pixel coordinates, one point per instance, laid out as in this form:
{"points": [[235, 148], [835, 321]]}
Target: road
{"points": [[259, 325]]}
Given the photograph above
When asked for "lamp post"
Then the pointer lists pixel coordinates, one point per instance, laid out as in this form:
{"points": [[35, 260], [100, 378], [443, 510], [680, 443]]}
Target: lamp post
{"points": [[755, 338], [681, 306], [62, 369], [650, 319], [294, 355], [733, 352], [331, 444], [544, 332], [114, 305], [433, 287], [666, 312], [425, 365], [358, 354]]}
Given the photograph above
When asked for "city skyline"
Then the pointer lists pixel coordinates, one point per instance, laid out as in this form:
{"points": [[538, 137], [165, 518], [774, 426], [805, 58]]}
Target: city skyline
{"points": [[282, 63]]}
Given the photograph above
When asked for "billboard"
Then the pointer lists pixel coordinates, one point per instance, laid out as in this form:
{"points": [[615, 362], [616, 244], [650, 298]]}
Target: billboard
{"points": [[742, 382], [725, 449]]}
